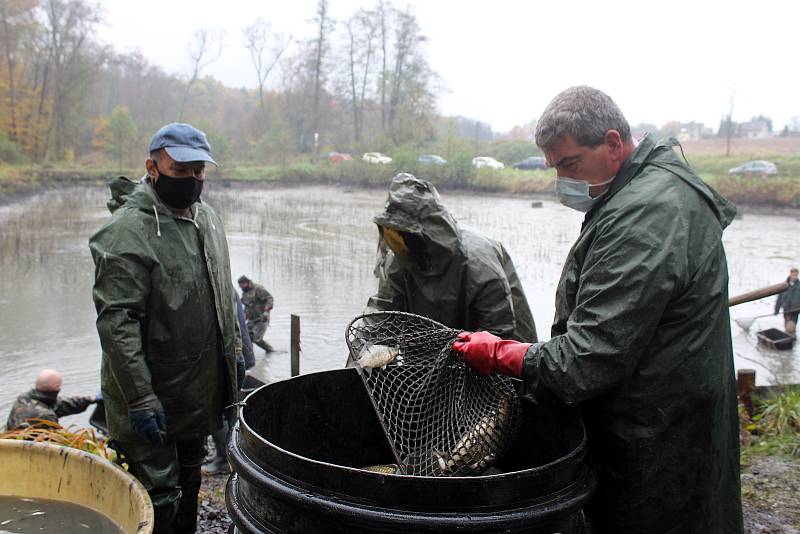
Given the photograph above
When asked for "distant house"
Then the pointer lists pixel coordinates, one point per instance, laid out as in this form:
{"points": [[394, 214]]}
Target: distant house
{"points": [[686, 131], [692, 131], [755, 129]]}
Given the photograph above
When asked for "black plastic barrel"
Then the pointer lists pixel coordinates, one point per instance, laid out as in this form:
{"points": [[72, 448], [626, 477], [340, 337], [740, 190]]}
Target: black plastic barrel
{"points": [[300, 443]]}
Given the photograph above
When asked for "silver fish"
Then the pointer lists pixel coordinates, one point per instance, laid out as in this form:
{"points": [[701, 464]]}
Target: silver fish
{"points": [[476, 450], [373, 356], [387, 469]]}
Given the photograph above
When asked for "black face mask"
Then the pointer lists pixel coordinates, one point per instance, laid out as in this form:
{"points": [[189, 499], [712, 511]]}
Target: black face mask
{"points": [[49, 397], [179, 193]]}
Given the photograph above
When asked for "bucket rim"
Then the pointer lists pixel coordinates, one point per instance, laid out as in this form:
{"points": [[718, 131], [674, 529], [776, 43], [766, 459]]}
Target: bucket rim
{"points": [[578, 450]]}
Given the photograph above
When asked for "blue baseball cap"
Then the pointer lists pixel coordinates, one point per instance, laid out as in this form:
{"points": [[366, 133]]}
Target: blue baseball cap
{"points": [[183, 143]]}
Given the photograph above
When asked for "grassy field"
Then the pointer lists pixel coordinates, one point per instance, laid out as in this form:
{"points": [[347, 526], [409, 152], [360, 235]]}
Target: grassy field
{"points": [[706, 157]]}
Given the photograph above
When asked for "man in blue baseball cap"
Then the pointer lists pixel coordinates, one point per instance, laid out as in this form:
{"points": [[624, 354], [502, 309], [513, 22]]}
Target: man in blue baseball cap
{"points": [[177, 164], [167, 323]]}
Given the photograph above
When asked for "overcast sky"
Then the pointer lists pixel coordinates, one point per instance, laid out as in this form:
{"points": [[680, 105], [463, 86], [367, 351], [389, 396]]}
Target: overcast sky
{"points": [[501, 61]]}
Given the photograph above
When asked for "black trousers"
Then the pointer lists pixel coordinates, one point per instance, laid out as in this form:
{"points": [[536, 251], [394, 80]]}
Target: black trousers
{"points": [[171, 475]]}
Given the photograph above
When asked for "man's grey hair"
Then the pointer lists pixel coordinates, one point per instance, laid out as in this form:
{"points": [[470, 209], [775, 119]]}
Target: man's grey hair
{"points": [[583, 112]]}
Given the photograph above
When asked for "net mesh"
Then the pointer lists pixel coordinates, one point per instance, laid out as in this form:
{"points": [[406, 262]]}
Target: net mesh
{"points": [[440, 416]]}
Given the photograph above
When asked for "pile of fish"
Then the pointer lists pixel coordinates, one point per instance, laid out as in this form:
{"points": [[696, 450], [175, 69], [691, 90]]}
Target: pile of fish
{"points": [[473, 453]]}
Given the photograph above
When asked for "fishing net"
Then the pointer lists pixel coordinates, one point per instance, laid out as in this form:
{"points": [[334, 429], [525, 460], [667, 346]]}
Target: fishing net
{"points": [[441, 417]]}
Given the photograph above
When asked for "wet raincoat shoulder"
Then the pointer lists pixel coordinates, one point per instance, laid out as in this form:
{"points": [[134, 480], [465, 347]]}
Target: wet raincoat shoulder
{"points": [[641, 342], [165, 312], [471, 283]]}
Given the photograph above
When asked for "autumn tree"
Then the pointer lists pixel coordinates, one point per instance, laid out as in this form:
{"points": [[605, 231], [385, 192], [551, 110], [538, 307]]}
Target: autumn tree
{"points": [[16, 19], [116, 134]]}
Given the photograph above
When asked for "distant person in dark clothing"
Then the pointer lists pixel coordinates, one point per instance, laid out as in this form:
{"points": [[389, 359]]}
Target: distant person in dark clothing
{"points": [[43, 402], [257, 307], [789, 300]]}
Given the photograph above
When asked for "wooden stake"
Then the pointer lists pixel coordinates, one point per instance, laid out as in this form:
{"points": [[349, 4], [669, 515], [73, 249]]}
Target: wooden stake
{"points": [[295, 345], [745, 383]]}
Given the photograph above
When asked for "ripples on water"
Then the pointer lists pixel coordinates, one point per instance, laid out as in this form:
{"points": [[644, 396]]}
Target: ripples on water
{"points": [[314, 248]]}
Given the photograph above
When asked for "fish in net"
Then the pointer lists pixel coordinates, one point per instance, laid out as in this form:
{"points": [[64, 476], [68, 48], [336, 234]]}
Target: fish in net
{"points": [[441, 418]]}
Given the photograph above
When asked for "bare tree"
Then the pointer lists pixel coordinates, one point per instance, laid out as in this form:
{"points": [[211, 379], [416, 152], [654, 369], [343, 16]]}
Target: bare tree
{"points": [[407, 39], [70, 24], [257, 39], [321, 45], [384, 11], [361, 31], [204, 49]]}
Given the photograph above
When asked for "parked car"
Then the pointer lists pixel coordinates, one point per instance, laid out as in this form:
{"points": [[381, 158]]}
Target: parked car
{"points": [[376, 157], [485, 161], [533, 162], [431, 159], [755, 168], [338, 157]]}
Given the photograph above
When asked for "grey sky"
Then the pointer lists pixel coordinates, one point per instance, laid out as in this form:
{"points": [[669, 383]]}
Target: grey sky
{"points": [[501, 61]]}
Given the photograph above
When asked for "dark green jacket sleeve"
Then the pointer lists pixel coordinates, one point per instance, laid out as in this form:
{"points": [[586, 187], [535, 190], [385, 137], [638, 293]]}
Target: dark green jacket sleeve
{"points": [[121, 289], [72, 405], [632, 270], [494, 310]]}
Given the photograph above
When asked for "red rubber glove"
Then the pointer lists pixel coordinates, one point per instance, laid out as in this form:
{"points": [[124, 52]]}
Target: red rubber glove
{"points": [[486, 353]]}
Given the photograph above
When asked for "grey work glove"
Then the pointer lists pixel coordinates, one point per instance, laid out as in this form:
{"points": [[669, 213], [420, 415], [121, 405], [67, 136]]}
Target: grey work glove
{"points": [[147, 418]]}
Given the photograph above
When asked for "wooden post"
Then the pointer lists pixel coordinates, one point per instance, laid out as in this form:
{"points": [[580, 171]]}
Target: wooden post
{"points": [[745, 383], [295, 345]]}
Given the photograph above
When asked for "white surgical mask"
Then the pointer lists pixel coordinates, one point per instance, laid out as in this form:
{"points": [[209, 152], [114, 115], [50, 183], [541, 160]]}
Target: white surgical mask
{"points": [[575, 193]]}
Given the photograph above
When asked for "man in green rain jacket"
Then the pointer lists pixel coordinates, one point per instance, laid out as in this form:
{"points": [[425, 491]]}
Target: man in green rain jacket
{"points": [[641, 340], [431, 266], [166, 322]]}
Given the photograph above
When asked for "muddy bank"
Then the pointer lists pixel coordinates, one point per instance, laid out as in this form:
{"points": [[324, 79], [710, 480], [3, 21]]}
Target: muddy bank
{"points": [[771, 495], [212, 516]]}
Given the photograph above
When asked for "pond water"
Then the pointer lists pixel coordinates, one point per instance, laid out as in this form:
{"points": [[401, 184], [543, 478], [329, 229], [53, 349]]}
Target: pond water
{"points": [[314, 248], [20, 515]]}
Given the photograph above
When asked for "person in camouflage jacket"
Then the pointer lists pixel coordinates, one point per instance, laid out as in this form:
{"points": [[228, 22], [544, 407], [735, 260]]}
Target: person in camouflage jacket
{"points": [[257, 303], [43, 403]]}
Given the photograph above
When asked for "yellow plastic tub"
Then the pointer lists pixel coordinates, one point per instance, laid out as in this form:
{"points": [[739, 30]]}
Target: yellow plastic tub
{"points": [[46, 471]]}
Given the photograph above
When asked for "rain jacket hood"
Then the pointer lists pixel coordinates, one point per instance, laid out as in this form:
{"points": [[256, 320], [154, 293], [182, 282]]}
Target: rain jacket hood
{"points": [[166, 316], [471, 282], [641, 344], [660, 154], [414, 206]]}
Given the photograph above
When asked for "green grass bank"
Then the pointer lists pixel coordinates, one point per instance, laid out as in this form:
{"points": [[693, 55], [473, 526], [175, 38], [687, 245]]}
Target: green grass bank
{"points": [[781, 191]]}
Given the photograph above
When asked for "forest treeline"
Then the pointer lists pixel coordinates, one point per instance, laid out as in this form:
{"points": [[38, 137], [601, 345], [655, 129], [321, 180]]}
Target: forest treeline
{"points": [[359, 84]]}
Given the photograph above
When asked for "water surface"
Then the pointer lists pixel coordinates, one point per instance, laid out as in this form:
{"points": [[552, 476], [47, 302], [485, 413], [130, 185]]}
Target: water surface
{"points": [[314, 248]]}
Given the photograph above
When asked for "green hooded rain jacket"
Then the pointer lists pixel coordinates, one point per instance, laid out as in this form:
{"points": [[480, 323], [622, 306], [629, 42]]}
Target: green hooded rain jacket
{"points": [[641, 343], [165, 314], [470, 283]]}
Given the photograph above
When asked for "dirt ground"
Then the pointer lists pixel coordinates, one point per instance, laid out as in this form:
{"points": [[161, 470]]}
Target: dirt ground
{"points": [[212, 516], [770, 498], [771, 495]]}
